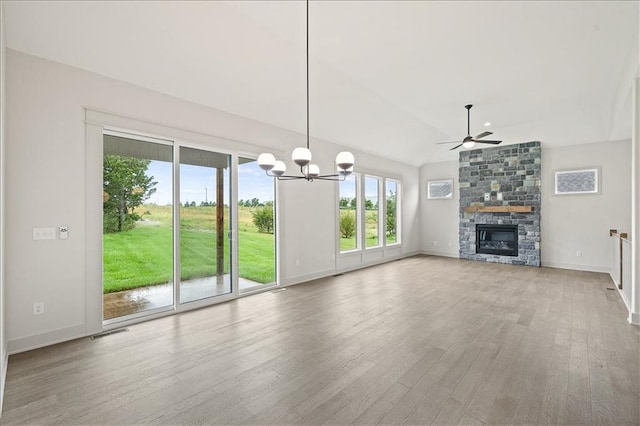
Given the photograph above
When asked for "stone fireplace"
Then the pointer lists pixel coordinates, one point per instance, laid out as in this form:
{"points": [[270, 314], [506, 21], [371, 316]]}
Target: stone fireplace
{"points": [[500, 204]]}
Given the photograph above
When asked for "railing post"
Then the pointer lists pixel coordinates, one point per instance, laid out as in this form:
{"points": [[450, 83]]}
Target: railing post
{"points": [[623, 236]]}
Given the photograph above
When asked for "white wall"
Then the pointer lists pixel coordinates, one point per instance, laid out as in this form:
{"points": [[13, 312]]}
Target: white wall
{"points": [[46, 166], [569, 223], [440, 218], [572, 223], [3, 335]]}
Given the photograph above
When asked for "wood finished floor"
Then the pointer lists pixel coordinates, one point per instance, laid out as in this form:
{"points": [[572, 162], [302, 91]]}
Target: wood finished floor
{"points": [[422, 340]]}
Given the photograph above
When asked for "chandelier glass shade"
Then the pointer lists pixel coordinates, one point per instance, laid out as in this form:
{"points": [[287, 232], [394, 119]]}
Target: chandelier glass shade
{"points": [[301, 156]]}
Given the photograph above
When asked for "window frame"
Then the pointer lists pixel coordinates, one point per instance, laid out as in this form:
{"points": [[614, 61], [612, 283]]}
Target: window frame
{"points": [[383, 180], [398, 212], [379, 210], [358, 236]]}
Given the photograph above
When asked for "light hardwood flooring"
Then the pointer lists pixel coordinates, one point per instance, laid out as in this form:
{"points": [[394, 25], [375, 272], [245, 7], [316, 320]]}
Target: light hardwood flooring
{"points": [[422, 340]]}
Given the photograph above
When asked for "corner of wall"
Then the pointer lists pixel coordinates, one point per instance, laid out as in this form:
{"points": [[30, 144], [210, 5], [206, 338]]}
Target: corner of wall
{"points": [[4, 355]]}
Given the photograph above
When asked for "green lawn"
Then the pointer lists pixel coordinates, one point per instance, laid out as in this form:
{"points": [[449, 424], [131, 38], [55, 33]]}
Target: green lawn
{"points": [[371, 232], [143, 256]]}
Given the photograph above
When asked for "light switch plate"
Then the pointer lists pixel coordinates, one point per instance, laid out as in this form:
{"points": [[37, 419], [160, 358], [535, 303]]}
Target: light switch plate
{"points": [[44, 233]]}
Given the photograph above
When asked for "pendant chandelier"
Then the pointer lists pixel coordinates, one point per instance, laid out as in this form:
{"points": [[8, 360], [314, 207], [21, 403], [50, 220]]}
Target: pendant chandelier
{"points": [[301, 156]]}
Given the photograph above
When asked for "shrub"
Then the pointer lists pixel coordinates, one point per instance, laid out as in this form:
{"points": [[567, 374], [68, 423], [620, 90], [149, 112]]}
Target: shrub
{"points": [[391, 213], [263, 219], [347, 224]]}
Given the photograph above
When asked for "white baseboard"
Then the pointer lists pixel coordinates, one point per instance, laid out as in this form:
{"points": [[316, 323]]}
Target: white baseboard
{"points": [[46, 339], [3, 379], [586, 268], [441, 253], [378, 262], [612, 278], [299, 279]]}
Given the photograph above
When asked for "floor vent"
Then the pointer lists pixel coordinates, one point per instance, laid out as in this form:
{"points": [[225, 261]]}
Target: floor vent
{"points": [[278, 290], [109, 333]]}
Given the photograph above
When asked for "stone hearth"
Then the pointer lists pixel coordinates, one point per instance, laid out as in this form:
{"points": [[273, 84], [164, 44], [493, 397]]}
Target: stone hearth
{"points": [[502, 178]]}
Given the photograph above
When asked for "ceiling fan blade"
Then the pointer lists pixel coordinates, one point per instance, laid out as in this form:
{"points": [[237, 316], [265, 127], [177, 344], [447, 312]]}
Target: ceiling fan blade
{"points": [[483, 134], [455, 147], [443, 143], [490, 142]]}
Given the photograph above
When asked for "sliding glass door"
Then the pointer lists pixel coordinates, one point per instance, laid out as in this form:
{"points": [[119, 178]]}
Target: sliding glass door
{"points": [[137, 221], [256, 227], [167, 237], [204, 224]]}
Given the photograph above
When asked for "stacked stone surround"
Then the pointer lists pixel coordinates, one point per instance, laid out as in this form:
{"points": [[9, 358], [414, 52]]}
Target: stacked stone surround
{"points": [[508, 176]]}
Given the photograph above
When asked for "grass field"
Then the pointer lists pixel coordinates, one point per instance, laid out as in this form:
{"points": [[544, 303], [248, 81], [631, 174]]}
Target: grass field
{"points": [[144, 255], [371, 233]]}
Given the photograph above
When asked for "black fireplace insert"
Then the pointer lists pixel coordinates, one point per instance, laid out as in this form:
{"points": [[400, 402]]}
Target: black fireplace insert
{"points": [[497, 239]]}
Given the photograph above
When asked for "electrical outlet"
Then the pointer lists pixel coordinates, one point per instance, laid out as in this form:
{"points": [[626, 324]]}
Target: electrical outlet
{"points": [[578, 253], [38, 308], [434, 243]]}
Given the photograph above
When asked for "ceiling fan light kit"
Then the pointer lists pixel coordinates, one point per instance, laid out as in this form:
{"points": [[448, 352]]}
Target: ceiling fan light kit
{"points": [[470, 141], [301, 156]]}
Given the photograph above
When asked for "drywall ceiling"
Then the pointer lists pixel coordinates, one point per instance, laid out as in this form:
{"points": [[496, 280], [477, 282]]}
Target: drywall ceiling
{"points": [[386, 77]]}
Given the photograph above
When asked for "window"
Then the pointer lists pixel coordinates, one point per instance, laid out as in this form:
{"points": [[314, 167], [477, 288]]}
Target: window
{"points": [[368, 212], [371, 211], [349, 213], [392, 197]]}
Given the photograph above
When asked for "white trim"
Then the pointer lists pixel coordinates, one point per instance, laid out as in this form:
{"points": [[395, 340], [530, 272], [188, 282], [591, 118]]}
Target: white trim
{"points": [[586, 268], [634, 318], [93, 229], [301, 279], [627, 303], [162, 131], [36, 341], [378, 262], [454, 255], [3, 379]]}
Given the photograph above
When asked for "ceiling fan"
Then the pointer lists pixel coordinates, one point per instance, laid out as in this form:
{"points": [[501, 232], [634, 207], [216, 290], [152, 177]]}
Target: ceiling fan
{"points": [[469, 141]]}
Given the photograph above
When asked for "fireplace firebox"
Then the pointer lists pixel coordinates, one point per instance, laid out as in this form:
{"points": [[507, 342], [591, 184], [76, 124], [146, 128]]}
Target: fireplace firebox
{"points": [[497, 239]]}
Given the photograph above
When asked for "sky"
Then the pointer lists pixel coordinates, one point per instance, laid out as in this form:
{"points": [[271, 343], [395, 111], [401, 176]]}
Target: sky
{"points": [[198, 183], [348, 188]]}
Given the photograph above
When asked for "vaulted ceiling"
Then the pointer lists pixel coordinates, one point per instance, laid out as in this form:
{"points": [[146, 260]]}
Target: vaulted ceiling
{"points": [[386, 77]]}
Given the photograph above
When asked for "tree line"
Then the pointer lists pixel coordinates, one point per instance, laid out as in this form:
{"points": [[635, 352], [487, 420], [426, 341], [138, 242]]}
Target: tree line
{"points": [[348, 219]]}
